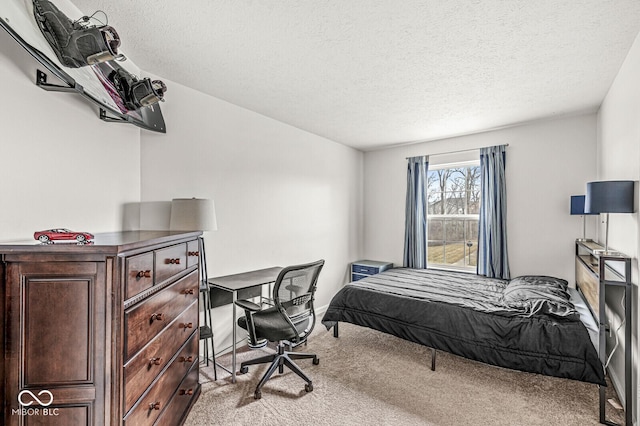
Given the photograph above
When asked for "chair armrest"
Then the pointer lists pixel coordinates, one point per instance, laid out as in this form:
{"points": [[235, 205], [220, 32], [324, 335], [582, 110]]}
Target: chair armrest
{"points": [[248, 306]]}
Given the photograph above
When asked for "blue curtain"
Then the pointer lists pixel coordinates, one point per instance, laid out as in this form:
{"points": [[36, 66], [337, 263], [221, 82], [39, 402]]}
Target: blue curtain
{"points": [[415, 224], [492, 233]]}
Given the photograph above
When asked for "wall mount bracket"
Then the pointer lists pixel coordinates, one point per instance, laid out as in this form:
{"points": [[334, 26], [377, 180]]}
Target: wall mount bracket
{"points": [[105, 117], [41, 81]]}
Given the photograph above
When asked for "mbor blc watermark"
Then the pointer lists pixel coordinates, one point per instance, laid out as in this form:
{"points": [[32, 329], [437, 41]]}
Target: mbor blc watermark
{"points": [[42, 401]]}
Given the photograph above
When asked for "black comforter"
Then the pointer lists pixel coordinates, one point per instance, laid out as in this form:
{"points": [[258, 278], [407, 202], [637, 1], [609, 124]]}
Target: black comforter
{"points": [[466, 315]]}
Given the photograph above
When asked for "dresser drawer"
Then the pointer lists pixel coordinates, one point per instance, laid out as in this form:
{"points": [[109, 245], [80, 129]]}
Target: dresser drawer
{"points": [[139, 273], [193, 253], [145, 320], [154, 401], [145, 366], [170, 261], [174, 413]]}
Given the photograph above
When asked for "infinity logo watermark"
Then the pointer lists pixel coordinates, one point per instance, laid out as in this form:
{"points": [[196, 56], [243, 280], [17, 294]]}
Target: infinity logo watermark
{"points": [[38, 400], [44, 398]]}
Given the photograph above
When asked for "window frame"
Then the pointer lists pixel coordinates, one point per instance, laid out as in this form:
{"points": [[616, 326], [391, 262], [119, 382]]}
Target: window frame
{"points": [[465, 218]]}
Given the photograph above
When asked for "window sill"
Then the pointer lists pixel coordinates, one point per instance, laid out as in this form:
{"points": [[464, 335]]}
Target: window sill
{"points": [[452, 269]]}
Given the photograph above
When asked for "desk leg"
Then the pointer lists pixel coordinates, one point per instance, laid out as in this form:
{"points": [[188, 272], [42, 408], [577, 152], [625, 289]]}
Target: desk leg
{"points": [[233, 345]]}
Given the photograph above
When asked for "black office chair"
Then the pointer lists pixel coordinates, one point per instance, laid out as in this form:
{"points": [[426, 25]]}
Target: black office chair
{"points": [[289, 322]]}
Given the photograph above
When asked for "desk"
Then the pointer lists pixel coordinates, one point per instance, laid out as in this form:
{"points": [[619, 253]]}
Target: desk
{"points": [[226, 289]]}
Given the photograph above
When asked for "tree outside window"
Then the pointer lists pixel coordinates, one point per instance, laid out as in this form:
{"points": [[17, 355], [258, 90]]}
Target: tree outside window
{"points": [[453, 196]]}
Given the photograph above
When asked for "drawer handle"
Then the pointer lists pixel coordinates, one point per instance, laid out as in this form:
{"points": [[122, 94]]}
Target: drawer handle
{"points": [[143, 274], [188, 291], [154, 405], [172, 261], [155, 361], [186, 325], [186, 359], [157, 317], [186, 391], [194, 253]]}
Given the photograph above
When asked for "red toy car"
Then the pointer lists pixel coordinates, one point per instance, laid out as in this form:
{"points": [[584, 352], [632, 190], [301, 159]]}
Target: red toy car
{"points": [[62, 234]]}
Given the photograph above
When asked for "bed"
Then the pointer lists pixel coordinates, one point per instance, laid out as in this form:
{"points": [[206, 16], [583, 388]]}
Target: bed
{"points": [[531, 323]]}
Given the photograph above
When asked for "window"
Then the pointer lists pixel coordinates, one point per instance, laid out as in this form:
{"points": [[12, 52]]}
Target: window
{"points": [[453, 195]]}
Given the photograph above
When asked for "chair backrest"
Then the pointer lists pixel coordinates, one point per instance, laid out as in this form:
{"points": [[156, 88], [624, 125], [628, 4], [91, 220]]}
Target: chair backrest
{"points": [[293, 295]]}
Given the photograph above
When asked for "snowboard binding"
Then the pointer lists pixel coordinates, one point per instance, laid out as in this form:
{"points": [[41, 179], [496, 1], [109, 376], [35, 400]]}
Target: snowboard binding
{"points": [[75, 43], [137, 93]]}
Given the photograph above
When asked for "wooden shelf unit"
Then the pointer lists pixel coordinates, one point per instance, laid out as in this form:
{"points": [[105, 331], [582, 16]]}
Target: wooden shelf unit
{"points": [[596, 272]]}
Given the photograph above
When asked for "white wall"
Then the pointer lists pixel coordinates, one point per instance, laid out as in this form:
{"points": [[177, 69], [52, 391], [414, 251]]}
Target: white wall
{"points": [[60, 165], [619, 158], [282, 196], [546, 163]]}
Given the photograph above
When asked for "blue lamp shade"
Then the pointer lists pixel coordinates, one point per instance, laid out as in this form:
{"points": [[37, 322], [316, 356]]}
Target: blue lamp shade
{"points": [[612, 196], [577, 205]]}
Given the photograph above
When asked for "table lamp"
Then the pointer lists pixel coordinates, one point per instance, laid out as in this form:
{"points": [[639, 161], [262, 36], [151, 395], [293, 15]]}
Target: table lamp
{"points": [[613, 196], [577, 208], [198, 214], [192, 214]]}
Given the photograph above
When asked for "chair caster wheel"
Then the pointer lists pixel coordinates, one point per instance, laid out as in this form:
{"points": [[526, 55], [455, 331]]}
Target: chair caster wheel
{"points": [[244, 370], [308, 387], [316, 361], [257, 394]]}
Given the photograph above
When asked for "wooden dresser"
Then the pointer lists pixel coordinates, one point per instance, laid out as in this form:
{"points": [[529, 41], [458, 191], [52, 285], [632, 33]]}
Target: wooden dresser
{"points": [[103, 333]]}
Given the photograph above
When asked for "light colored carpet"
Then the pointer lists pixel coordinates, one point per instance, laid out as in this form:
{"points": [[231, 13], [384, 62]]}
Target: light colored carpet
{"points": [[367, 377]]}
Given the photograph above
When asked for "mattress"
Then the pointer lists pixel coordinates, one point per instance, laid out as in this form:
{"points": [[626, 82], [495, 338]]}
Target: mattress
{"points": [[465, 314]]}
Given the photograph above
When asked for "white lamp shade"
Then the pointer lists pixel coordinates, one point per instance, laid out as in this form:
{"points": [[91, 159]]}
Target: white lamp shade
{"points": [[193, 214]]}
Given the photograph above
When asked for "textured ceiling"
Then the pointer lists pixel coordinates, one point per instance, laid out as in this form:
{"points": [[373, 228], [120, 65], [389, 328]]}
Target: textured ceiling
{"points": [[371, 73]]}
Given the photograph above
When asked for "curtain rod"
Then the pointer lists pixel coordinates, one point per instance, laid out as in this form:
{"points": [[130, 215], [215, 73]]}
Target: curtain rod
{"points": [[461, 150]]}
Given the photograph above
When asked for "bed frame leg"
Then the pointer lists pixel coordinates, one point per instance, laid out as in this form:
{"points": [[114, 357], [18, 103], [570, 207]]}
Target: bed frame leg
{"points": [[433, 359], [603, 405], [335, 330]]}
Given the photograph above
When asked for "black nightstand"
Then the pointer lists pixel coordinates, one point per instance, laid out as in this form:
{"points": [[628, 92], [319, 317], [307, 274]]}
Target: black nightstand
{"points": [[365, 268]]}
